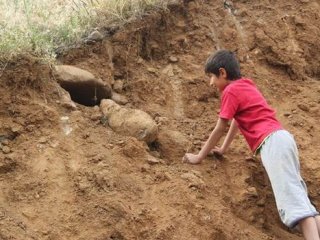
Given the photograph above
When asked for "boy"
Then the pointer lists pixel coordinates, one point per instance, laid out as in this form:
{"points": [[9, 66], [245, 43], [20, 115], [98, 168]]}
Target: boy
{"points": [[244, 105]]}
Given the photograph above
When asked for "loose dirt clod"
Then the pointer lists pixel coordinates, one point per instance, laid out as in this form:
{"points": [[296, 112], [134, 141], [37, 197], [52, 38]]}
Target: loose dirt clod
{"points": [[173, 144]]}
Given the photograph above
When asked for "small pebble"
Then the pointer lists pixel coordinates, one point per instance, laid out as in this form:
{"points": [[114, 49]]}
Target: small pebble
{"points": [[152, 160], [95, 36], [118, 86], [252, 191], [152, 70], [6, 150], [303, 107], [261, 202], [173, 59]]}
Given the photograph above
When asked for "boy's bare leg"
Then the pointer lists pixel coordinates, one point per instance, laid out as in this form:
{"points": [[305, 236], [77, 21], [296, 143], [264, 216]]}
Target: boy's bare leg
{"points": [[318, 223], [309, 228]]}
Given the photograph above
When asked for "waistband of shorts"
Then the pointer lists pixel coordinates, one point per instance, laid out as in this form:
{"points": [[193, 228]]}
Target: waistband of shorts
{"points": [[257, 151]]}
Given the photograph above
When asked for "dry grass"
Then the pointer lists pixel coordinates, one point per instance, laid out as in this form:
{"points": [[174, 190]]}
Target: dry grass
{"points": [[41, 26]]}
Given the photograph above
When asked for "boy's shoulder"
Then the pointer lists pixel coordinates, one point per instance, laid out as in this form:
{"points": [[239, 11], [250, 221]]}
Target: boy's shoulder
{"points": [[240, 83], [240, 87], [244, 81]]}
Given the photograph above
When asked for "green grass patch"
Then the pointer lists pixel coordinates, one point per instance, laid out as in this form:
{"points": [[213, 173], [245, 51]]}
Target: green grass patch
{"points": [[39, 27]]}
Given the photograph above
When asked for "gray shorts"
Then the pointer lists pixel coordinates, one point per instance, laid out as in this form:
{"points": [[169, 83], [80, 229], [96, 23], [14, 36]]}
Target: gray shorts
{"points": [[280, 158]]}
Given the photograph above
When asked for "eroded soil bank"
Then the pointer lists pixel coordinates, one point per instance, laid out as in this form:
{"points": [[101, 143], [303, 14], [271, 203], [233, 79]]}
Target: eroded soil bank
{"points": [[96, 184]]}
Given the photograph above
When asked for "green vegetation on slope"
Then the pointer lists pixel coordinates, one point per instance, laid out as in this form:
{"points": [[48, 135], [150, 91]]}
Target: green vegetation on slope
{"points": [[41, 26]]}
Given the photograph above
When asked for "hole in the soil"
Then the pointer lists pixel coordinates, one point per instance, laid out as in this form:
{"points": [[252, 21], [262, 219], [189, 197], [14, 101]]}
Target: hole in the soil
{"points": [[88, 94], [144, 51], [154, 146], [9, 136]]}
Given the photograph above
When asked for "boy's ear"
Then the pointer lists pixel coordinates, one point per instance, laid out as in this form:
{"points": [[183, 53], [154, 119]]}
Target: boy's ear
{"points": [[223, 73]]}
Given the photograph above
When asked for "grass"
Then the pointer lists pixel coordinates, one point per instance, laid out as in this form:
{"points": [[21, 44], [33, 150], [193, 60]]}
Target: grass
{"points": [[39, 27]]}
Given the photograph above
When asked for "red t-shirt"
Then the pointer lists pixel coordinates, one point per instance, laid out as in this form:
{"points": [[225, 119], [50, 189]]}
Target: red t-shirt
{"points": [[242, 101]]}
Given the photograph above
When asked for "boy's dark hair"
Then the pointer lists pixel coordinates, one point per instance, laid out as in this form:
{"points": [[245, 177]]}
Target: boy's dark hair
{"points": [[223, 59]]}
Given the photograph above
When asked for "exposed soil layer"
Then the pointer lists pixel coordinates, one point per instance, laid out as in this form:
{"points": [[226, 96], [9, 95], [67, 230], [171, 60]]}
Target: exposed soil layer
{"points": [[96, 184]]}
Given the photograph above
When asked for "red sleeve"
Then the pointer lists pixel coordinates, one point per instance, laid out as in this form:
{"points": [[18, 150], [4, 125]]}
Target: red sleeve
{"points": [[229, 105]]}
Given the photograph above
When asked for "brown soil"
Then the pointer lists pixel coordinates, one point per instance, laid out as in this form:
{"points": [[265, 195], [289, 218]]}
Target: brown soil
{"points": [[96, 184]]}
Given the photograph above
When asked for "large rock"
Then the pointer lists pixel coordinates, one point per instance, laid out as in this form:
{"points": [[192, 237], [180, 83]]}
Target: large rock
{"points": [[130, 122], [82, 85]]}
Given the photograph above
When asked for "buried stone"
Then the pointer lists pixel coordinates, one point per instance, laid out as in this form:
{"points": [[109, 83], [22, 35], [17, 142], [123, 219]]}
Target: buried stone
{"points": [[130, 122], [82, 85]]}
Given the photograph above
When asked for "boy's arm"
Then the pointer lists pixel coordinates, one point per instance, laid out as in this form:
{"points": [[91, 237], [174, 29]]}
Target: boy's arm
{"points": [[213, 139], [233, 130]]}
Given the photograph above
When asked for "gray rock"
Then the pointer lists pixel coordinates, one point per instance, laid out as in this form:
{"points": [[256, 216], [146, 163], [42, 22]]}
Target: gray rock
{"points": [[261, 202], [6, 149], [66, 101], [130, 122], [118, 86], [152, 70], [71, 74], [173, 59], [120, 99], [252, 191], [95, 36], [152, 160]]}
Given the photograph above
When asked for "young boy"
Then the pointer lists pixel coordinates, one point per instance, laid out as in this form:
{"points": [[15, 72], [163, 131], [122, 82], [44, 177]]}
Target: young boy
{"points": [[244, 105]]}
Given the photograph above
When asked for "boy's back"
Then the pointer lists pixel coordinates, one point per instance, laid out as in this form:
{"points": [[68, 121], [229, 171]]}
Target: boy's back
{"points": [[242, 101]]}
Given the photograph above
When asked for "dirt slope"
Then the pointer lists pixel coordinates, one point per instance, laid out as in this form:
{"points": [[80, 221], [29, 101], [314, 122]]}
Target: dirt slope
{"points": [[96, 184]]}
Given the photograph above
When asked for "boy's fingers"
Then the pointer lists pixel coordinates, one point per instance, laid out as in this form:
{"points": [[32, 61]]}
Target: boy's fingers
{"points": [[185, 159], [218, 155]]}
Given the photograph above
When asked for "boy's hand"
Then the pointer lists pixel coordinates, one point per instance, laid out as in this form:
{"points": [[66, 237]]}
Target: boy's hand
{"points": [[191, 158], [217, 151]]}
